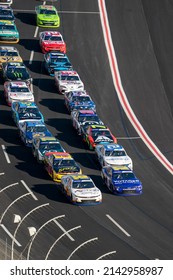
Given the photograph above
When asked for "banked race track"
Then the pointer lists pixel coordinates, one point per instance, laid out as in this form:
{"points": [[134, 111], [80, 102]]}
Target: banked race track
{"points": [[135, 227]]}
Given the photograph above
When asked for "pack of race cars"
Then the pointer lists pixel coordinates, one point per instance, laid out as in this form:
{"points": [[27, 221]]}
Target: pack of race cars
{"points": [[116, 165]]}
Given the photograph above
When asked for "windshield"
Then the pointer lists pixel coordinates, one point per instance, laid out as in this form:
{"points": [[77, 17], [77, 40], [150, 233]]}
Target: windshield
{"points": [[7, 27], [36, 129], [28, 110], [19, 89], [123, 176], [69, 78], [101, 132], [47, 12], [16, 70], [52, 38], [8, 53], [81, 99], [6, 12], [83, 185], [64, 162], [88, 119], [59, 59], [115, 153], [51, 146]]}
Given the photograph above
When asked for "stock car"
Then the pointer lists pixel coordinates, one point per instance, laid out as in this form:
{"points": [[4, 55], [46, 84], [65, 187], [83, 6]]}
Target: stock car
{"points": [[6, 2], [75, 100], [6, 13], [56, 61], [121, 180], [67, 81], [17, 91], [47, 16], [82, 118], [8, 32], [42, 145], [16, 71], [30, 129], [97, 134], [60, 164], [9, 54], [25, 111], [81, 190], [51, 41], [112, 154]]}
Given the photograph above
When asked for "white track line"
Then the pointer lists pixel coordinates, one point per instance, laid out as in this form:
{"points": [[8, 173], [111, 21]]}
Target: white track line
{"points": [[63, 229], [31, 57], [5, 154], [121, 93], [28, 189], [2, 173], [120, 227], [36, 32], [11, 236]]}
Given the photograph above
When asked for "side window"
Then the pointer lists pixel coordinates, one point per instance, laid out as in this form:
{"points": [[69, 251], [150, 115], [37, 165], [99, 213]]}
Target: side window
{"points": [[37, 143]]}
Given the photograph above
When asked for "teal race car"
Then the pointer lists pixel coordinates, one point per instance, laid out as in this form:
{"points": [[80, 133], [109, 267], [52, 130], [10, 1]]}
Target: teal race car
{"points": [[47, 16], [8, 32]]}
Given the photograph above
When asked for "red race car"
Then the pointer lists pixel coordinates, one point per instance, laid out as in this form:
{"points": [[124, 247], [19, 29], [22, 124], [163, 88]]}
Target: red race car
{"points": [[51, 41]]}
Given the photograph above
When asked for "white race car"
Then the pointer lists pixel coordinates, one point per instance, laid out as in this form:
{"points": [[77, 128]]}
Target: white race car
{"points": [[112, 154], [80, 189], [17, 91], [68, 81], [6, 2]]}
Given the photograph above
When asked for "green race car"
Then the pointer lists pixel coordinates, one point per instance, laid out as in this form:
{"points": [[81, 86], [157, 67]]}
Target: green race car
{"points": [[8, 32], [47, 16]]}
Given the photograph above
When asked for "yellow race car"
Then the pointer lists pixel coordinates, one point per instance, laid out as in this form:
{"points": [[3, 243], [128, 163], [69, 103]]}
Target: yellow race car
{"points": [[60, 164], [9, 54]]}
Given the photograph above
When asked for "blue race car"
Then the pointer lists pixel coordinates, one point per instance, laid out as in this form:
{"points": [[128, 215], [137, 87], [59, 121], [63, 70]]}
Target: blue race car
{"points": [[25, 111], [78, 100], [6, 13], [30, 129], [81, 118], [42, 145], [121, 180], [56, 61]]}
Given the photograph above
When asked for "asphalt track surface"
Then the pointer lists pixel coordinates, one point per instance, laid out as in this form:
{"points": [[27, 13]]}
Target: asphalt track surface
{"points": [[143, 228]]}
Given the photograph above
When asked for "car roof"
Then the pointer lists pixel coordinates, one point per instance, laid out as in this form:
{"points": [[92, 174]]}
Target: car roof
{"points": [[95, 126], [68, 73], [18, 84], [52, 33], [87, 112], [8, 48], [34, 123]]}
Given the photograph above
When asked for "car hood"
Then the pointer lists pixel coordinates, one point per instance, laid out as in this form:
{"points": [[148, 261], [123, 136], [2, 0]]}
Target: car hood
{"points": [[90, 192], [127, 183], [48, 17]]}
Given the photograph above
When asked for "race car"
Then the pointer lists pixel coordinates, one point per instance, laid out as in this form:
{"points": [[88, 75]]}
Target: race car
{"points": [[9, 54], [82, 118], [17, 91], [97, 134], [51, 41], [67, 81], [47, 16], [112, 154], [6, 13], [56, 61], [31, 129], [42, 145], [121, 180], [16, 71], [81, 190], [6, 2], [25, 111], [60, 164], [8, 32], [76, 100]]}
